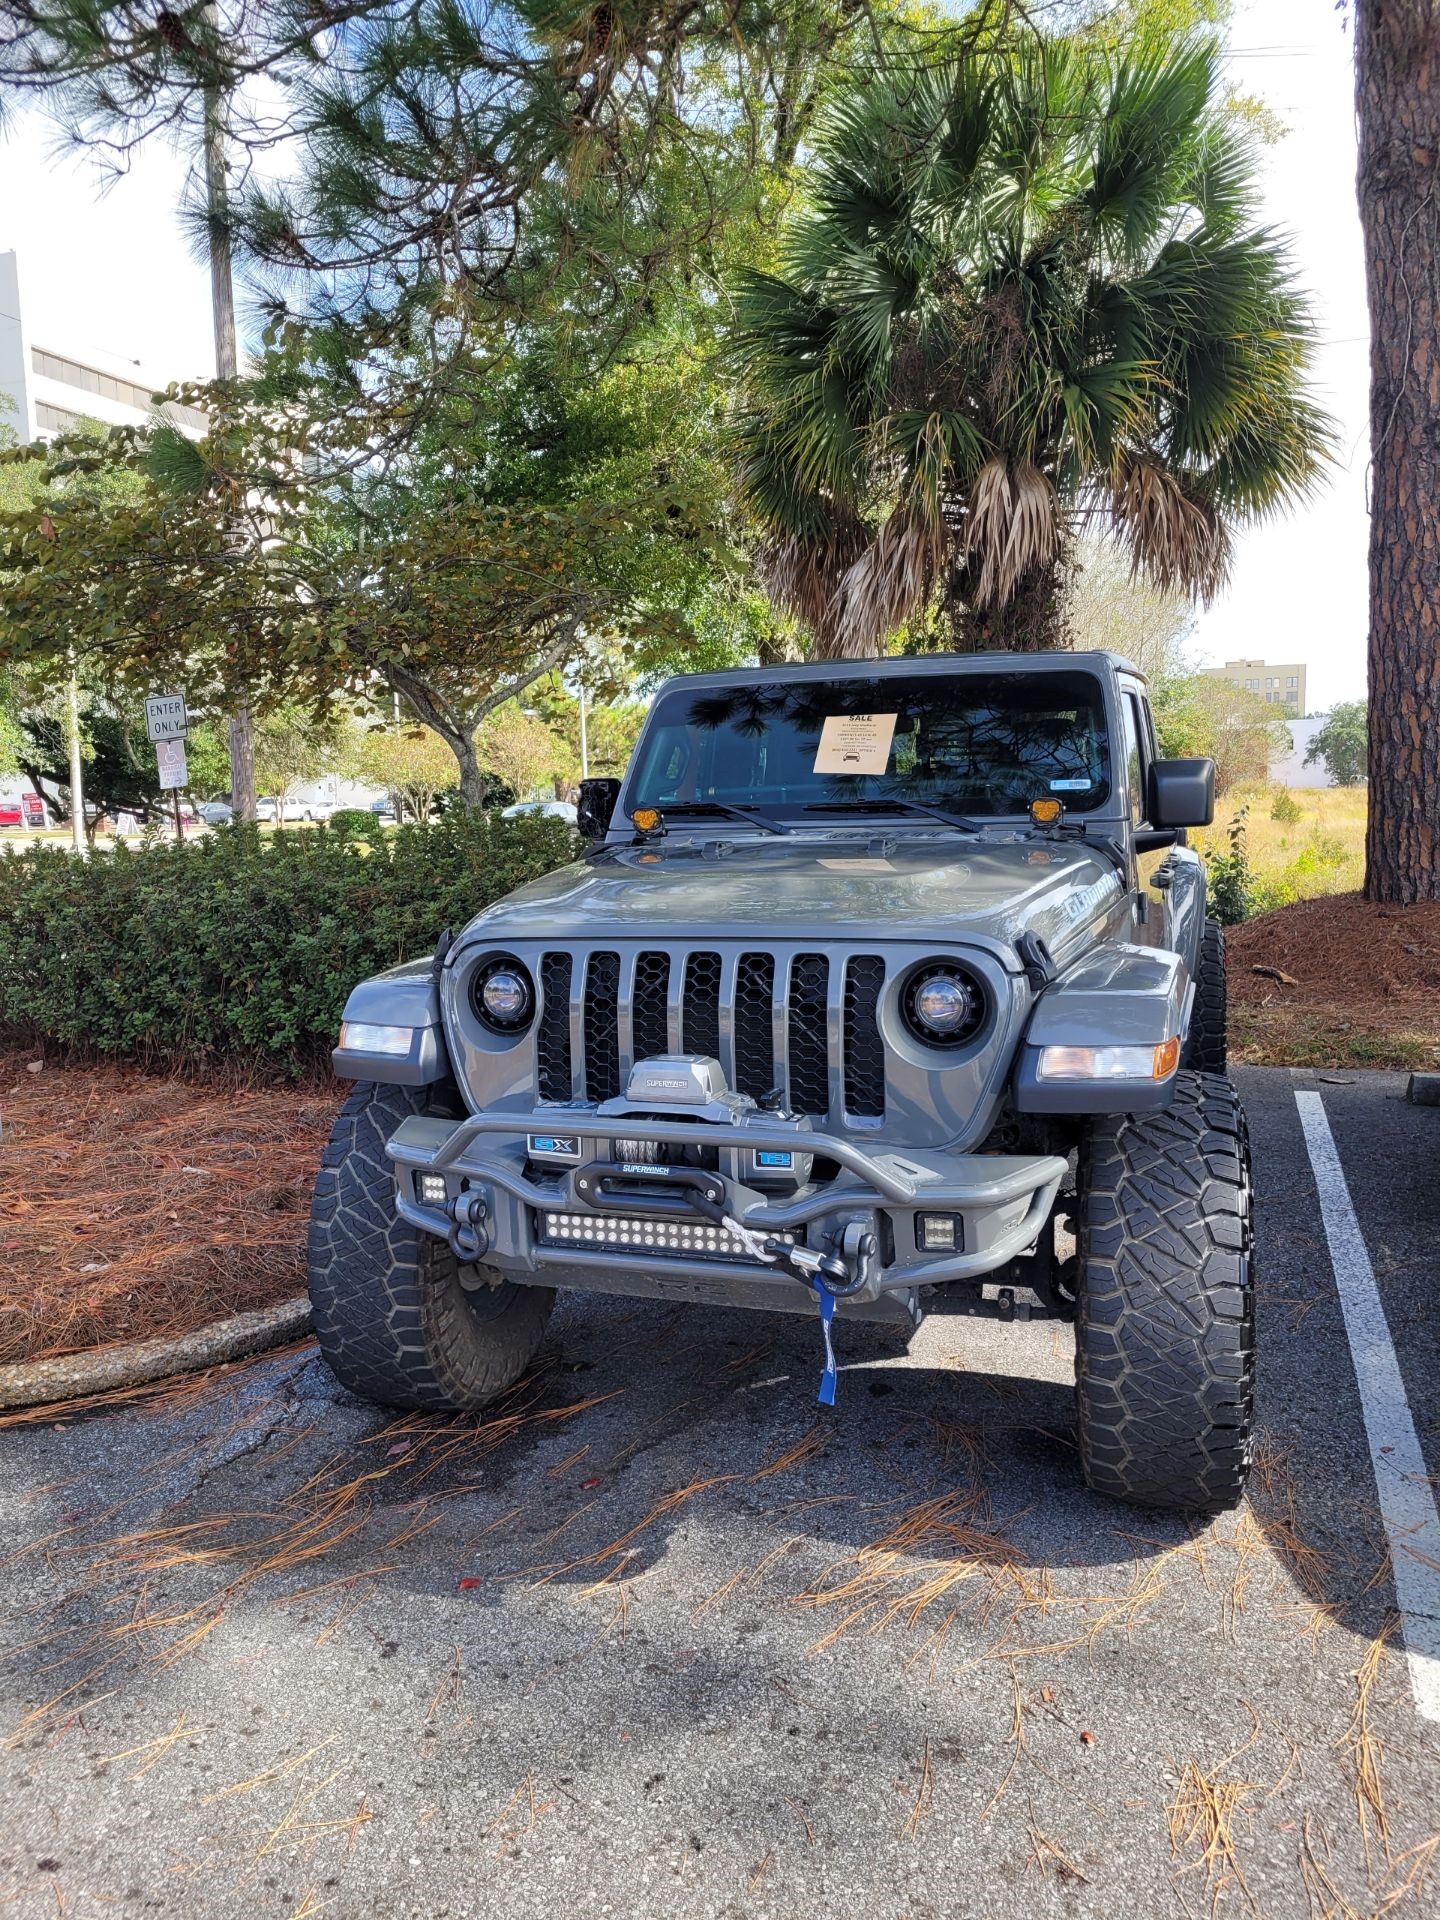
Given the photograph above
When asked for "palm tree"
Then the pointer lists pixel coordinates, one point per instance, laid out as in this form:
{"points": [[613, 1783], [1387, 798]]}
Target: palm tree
{"points": [[1029, 294]]}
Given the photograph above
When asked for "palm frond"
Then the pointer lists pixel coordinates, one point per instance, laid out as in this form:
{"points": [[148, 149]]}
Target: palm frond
{"points": [[1157, 100], [1029, 284], [804, 574], [1012, 528], [1180, 542], [888, 582]]}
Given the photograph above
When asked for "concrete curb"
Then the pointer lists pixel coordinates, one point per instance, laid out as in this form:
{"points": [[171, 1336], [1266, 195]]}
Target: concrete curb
{"points": [[32, 1383]]}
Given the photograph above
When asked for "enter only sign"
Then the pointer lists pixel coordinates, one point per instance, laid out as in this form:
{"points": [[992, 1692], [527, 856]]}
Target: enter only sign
{"points": [[165, 717]]}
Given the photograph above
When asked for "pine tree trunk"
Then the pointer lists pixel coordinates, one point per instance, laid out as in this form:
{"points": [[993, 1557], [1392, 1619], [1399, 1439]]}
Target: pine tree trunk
{"points": [[1397, 91]]}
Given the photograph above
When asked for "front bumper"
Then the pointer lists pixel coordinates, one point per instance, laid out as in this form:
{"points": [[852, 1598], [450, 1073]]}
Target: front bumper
{"points": [[999, 1203]]}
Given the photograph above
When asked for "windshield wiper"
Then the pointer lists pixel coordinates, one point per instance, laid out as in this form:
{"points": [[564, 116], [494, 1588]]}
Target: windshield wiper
{"points": [[894, 806], [689, 808]]}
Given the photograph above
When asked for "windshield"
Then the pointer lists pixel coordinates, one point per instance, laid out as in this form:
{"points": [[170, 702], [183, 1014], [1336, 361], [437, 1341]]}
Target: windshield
{"points": [[971, 743]]}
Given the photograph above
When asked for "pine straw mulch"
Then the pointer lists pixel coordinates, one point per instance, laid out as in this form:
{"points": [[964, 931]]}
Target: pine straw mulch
{"points": [[1336, 982], [133, 1205]]}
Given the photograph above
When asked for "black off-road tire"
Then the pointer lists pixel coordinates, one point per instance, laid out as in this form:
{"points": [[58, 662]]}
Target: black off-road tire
{"points": [[1205, 1049], [393, 1319], [1165, 1325]]}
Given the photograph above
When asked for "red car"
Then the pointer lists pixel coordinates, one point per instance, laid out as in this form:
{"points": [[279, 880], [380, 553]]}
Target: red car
{"points": [[27, 811]]}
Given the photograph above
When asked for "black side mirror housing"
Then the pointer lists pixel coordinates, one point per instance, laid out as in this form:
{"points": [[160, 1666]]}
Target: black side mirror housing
{"points": [[596, 806], [1182, 793]]}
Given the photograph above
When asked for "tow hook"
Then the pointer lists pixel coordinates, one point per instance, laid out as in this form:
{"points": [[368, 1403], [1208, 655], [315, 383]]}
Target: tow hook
{"points": [[832, 1276], [468, 1238], [833, 1279]]}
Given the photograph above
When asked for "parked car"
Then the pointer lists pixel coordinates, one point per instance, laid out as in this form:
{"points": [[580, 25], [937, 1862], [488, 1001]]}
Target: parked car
{"points": [[384, 807], [885, 988], [555, 809], [216, 813], [315, 809], [12, 813]]}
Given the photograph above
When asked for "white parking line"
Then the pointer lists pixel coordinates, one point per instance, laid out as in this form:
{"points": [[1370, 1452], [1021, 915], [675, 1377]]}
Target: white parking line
{"points": [[1407, 1501]]}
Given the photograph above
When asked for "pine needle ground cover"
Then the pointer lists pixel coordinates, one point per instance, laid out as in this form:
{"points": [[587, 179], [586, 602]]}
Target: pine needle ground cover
{"points": [[133, 1204], [1338, 981]]}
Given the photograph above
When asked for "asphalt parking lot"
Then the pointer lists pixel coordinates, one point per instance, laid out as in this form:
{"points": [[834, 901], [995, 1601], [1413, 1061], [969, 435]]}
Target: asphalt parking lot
{"points": [[661, 1637]]}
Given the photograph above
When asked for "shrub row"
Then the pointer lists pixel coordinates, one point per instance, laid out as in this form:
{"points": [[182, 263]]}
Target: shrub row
{"points": [[239, 949]]}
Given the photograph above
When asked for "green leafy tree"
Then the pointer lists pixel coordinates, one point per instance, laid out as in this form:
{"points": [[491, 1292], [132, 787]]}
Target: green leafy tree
{"points": [[1030, 286], [121, 774], [523, 753], [1342, 744], [412, 763], [293, 745], [261, 563], [207, 759], [1241, 733], [585, 162]]}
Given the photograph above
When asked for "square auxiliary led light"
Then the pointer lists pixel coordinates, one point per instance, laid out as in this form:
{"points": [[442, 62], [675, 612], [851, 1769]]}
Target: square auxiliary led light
{"points": [[432, 1190], [939, 1232]]}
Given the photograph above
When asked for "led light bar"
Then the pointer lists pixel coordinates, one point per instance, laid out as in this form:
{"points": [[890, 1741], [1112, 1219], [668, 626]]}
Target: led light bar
{"points": [[697, 1238]]}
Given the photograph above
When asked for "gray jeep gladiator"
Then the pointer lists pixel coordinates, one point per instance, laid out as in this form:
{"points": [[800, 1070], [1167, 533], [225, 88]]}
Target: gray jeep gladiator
{"points": [[882, 988]]}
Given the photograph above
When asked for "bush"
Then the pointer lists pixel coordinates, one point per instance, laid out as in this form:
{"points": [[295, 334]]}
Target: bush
{"points": [[1286, 808], [1230, 883], [239, 949], [348, 820]]}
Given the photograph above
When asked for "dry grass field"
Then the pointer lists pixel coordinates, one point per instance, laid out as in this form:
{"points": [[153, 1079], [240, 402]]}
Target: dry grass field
{"points": [[1316, 845]]}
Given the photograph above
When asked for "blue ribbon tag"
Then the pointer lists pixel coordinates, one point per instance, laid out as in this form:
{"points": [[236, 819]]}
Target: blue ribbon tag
{"points": [[827, 1378]]}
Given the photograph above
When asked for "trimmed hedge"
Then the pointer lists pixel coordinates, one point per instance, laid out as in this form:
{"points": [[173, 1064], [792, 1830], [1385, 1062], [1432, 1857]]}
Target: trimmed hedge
{"points": [[239, 949]]}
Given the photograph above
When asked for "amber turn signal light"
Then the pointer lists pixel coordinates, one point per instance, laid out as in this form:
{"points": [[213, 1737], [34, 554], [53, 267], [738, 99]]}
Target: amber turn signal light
{"points": [[1045, 812], [1167, 1058]]}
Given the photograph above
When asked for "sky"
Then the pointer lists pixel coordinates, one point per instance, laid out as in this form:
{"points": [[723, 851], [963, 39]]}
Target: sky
{"points": [[109, 274]]}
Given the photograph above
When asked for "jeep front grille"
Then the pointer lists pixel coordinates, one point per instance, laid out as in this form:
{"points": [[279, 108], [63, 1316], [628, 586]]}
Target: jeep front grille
{"points": [[800, 1021], [602, 1038], [552, 1033], [864, 1050]]}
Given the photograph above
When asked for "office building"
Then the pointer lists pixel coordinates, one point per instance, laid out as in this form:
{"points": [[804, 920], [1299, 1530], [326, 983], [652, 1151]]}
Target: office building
{"points": [[47, 386], [1279, 686]]}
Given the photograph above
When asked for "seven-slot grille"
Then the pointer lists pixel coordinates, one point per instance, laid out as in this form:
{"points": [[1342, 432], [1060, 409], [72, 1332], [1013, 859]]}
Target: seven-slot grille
{"points": [[805, 1022]]}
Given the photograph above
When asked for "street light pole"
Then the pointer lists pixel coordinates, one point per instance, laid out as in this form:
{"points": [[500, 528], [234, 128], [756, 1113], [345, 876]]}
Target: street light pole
{"points": [[77, 765]]}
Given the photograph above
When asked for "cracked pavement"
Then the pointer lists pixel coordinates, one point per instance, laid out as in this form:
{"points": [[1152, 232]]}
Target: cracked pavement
{"points": [[658, 1636]]}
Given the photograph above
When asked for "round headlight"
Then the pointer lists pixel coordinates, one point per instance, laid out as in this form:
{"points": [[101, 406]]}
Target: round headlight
{"points": [[943, 1005], [501, 993]]}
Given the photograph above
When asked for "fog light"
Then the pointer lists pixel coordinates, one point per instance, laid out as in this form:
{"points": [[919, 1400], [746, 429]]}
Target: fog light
{"points": [[937, 1232], [433, 1192]]}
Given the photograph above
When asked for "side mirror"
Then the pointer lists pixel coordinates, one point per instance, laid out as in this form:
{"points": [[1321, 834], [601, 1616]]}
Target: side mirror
{"points": [[595, 807], [1182, 793]]}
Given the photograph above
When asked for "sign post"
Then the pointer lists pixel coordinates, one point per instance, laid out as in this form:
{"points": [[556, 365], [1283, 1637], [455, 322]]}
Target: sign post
{"points": [[167, 724]]}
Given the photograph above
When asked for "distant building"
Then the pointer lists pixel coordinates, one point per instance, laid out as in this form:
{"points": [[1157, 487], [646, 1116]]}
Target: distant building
{"points": [[1290, 769], [1278, 686], [47, 387]]}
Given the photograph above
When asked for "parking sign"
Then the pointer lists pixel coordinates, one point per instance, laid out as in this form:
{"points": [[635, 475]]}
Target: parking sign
{"points": [[170, 754]]}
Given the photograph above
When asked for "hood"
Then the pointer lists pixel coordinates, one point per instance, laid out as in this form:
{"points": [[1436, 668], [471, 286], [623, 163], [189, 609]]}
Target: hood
{"points": [[810, 886]]}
